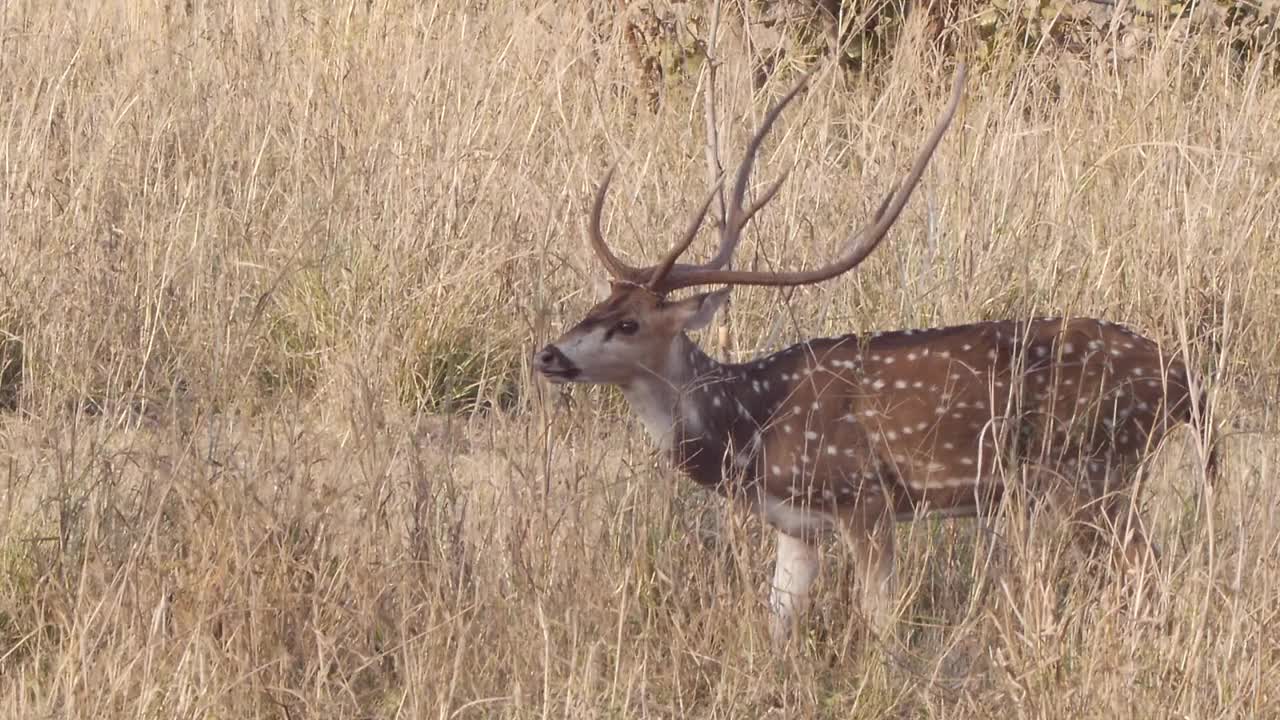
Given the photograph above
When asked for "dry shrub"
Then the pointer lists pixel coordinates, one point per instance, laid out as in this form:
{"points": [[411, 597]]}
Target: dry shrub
{"points": [[268, 244]]}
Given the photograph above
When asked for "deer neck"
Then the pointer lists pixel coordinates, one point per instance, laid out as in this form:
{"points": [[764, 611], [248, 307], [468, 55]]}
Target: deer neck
{"points": [[670, 400]]}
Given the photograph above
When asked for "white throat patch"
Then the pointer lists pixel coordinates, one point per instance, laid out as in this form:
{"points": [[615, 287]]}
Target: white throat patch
{"points": [[662, 399]]}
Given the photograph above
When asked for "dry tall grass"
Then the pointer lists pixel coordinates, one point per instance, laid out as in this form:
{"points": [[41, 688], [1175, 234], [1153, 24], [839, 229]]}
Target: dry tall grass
{"points": [[252, 256]]}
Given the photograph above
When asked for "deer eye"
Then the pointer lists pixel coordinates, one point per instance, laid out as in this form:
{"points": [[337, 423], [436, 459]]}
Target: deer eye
{"points": [[627, 327]]}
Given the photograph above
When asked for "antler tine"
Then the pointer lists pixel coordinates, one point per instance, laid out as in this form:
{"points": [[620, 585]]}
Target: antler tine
{"points": [[667, 273], [735, 217], [664, 267], [616, 267], [862, 242], [854, 239]]}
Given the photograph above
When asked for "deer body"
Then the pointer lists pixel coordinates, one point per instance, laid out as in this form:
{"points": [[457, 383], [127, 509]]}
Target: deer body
{"points": [[852, 433], [918, 419]]}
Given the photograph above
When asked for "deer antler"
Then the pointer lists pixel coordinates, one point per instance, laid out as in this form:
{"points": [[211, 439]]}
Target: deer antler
{"points": [[861, 243], [670, 275], [736, 217], [616, 267]]}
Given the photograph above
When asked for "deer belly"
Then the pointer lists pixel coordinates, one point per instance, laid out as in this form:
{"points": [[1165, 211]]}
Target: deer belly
{"points": [[954, 511], [793, 518], [948, 496]]}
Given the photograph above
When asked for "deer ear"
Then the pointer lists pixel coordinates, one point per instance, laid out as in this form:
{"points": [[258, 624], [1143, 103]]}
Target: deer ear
{"points": [[698, 311], [601, 288]]}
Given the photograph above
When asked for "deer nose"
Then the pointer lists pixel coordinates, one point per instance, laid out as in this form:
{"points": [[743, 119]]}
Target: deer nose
{"points": [[548, 356], [550, 361]]}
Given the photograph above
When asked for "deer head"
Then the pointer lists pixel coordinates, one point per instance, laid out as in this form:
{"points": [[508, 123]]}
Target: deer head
{"points": [[633, 332]]}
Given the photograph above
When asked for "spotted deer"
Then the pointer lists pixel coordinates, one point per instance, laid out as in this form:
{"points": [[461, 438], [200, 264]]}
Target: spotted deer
{"points": [[856, 432]]}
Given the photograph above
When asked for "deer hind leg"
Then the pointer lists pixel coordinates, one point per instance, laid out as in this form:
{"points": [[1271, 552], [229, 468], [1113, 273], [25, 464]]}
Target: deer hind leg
{"points": [[1132, 551], [871, 536], [1117, 530], [1097, 500], [794, 571]]}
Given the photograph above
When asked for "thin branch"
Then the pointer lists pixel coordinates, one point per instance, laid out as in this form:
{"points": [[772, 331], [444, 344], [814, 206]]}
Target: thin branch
{"points": [[715, 169]]}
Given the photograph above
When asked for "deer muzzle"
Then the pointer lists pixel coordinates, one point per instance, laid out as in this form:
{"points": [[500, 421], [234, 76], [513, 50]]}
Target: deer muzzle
{"points": [[552, 364]]}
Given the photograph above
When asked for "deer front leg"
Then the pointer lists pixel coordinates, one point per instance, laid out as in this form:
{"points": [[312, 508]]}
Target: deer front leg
{"points": [[795, 570], [871, 537]]}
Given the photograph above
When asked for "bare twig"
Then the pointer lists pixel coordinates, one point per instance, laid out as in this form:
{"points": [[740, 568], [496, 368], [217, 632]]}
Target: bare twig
{"points": [[715, 167]]}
